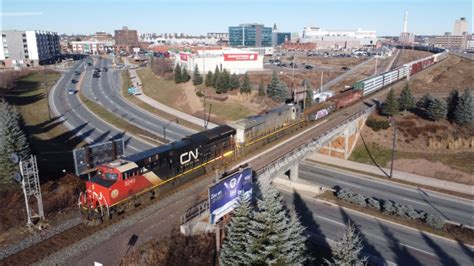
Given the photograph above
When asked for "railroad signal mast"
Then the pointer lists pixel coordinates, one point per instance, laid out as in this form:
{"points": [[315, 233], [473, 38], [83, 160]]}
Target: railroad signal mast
{"points": [[29, 179]]}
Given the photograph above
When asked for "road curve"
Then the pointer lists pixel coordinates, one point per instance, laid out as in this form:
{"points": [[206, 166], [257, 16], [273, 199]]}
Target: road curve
{"points": [[83, 122]]}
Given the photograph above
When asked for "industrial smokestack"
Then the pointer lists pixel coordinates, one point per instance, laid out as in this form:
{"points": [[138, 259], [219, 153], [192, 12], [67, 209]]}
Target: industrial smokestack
{"points": [[405, 22]]}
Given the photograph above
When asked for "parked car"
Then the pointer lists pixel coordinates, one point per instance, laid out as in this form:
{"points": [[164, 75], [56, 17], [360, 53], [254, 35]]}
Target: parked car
{"points": [[345, 68]]}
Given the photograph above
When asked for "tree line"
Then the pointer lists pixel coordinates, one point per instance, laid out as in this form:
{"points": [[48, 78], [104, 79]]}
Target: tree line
{"points": [[267, 233], [457, 108]]}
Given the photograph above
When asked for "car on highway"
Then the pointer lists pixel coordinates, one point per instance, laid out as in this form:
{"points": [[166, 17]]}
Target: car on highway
{"points": [[308, 67], [345, 68], [96, 75], [72, 91], [73, 81], [77, 72]]}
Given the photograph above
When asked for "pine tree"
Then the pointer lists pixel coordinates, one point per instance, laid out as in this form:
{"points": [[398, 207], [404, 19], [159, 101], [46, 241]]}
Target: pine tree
{"points": [[209, 79], [226, 80], [12, 140], [295, 244], [197, 78], [306, 83], [309, 98], [280, 93], [452, 102], [390, 106], [347, 250], [234, 82], [272, 87], [177, 74], [215, 77], [184, 75], [436, 110], [235, 246], [464, 113], [424, 101], [261, 88], [245, 88], [406, 100]]}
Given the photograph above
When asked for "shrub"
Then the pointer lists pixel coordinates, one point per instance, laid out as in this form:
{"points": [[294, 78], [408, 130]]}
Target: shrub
{"points": [[389, 207], [434, 221], [377, 125], [374, 203], [358, 199], [344, 194], [199, 94], [412, 213]]}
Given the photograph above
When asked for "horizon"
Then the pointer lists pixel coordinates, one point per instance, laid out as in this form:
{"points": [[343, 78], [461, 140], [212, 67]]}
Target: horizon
{"points": [[165, 16]]}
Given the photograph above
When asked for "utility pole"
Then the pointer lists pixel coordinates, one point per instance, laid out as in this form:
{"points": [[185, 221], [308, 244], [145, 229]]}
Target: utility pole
{"points": [[321, 87], [375, 72]]}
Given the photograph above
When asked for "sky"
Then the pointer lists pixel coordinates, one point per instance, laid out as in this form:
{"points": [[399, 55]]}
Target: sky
{"points": [[202, 16]]}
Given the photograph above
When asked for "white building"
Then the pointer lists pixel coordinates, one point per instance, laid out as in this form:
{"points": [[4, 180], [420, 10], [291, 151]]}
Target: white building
{"points": [[460, 27], [338, 38], [88, 47], [29, 48], [234, 60]]}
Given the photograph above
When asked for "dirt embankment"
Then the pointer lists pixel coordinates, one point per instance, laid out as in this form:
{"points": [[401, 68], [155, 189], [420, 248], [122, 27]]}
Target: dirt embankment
{"points": [[407, 56]]}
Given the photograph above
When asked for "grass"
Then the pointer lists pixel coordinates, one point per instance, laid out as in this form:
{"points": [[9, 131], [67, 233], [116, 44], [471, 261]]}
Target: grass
{"points": [[118, 122], [380, 154], [448, 232], [159, 89], [49, 139], [127, 83], [229, 111]]}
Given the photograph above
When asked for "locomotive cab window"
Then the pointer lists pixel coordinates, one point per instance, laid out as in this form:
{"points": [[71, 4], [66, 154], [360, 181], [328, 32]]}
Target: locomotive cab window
{"points": [[111, 176]]}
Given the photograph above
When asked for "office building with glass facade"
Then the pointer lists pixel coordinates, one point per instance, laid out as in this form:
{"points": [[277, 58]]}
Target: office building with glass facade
{"points": [[250, 35]]}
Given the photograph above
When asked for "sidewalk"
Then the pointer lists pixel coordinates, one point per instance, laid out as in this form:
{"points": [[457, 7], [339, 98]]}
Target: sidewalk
{"points": [[144, 98], [412, 178]]}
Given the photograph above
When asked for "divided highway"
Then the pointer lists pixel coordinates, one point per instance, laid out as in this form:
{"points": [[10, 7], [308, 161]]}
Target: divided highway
{"points": [[389, 243], [451, 208], [105, 90], [81, 121]]}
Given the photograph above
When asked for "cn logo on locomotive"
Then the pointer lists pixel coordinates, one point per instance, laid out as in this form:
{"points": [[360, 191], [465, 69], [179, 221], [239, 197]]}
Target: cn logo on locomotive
{"points": [[188, 156]]}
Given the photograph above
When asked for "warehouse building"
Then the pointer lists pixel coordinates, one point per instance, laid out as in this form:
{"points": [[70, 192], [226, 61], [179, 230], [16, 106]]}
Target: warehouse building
{"points": [[29, 48], [325, 39], [234, 60]]}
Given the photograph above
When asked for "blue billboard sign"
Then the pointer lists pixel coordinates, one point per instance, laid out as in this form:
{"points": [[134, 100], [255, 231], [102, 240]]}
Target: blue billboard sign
{"points": [[224, 195]]}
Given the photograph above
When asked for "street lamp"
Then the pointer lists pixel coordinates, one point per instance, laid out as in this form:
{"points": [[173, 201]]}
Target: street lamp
{"points": [[165, 126], [394, 123]]}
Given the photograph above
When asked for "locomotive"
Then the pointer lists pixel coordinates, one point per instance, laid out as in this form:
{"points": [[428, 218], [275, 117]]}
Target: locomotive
{"points": [[127, 180]]}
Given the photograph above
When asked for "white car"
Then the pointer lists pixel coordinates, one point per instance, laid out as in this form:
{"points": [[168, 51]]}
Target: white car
{"points": [[72, 91]]}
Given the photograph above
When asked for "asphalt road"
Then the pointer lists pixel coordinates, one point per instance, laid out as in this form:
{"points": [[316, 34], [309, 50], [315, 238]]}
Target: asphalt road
{"points": [[106, 91], [451, 208], [81, 121], [386, 243]]}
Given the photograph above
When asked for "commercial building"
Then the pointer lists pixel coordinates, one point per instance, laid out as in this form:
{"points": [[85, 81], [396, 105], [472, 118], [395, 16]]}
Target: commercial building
{"points": [[278, 38], [325, 39], [218, 35], [460, 27], [102, 36], [450, 41], [234, 60], [29, 48], [88, 47], [126, 39], [405, 36], [250, 35]]}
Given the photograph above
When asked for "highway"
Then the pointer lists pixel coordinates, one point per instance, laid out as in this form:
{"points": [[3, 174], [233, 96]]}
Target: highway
{"points": [[106, 91], [451, 208], [81, 121], [386, 243]]}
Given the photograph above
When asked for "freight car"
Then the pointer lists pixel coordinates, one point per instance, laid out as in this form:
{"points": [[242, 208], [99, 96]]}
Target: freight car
{"points": [[132, 176], [346, 98], [319, 111]]}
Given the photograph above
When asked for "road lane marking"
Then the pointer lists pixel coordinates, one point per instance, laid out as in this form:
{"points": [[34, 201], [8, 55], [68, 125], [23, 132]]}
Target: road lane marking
{"points": [[330, 220], [417, 202]]}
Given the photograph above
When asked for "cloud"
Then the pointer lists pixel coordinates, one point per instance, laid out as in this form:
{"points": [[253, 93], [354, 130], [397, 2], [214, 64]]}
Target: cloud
{"points": [[20, 14]]}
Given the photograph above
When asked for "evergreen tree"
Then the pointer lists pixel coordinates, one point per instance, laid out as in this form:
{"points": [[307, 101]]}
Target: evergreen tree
{"points": [[390, 106], [306, 83], [309, 98], [235, 246], [452, 102], [215, 77], [12, 140], [295, 245], [177, 74], [271, 245], [197, 78], [280, 93], [347, 249], [209, 79], [261, 88], [406, 100], [424, 101], [272, 87], [184, 75], [226, 80], [436, 110], [464, 113], [234, 82], [245, 88]]}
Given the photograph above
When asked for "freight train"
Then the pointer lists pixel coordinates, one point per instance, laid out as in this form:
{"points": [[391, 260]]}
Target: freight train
{"points": [[128, 181]]}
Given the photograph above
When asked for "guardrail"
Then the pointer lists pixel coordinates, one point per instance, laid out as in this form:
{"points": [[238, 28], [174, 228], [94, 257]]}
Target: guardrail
{"points": [[195, 211]]}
